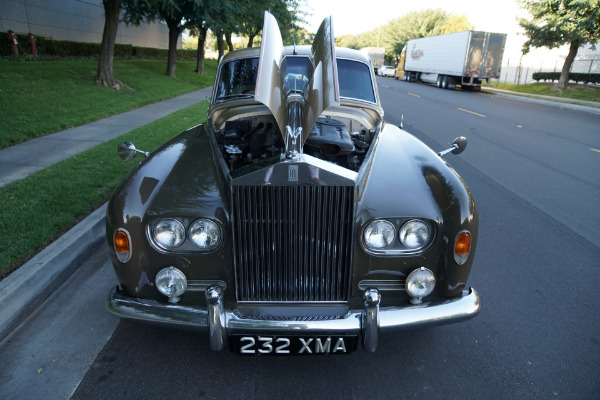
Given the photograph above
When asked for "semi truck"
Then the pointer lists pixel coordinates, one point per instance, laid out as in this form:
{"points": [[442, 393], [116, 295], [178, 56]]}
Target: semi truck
{"points": [[377, 55], [462, 58]]}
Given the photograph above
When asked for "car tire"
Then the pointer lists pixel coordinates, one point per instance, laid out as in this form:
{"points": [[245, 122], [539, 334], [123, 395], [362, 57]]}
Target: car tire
{"points": [[438, 82], [444, 82]]}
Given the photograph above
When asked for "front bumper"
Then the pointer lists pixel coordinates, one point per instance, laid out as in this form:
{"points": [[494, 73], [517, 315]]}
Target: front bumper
{"points": [[366, 323]]}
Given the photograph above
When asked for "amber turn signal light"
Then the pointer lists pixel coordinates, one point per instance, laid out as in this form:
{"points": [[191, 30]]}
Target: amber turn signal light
{"points": [[122, 245], [121, 241], [462, 247], [463, 243]]}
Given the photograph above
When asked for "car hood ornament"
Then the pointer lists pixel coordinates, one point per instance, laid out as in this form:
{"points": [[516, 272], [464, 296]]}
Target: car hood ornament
{"points": [[296, 98]]}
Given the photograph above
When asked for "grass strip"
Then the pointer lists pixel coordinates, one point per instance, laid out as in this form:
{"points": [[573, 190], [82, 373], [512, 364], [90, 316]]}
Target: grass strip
{"points": [[573, 91], [38, 209], [37, 98]]}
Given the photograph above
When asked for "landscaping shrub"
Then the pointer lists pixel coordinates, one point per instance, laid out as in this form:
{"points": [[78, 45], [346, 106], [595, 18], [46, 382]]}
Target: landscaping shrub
{"points": [[577, 77]]}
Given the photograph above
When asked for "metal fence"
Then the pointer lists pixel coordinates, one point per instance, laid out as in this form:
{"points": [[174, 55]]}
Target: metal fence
{"points": [[519, 74]]}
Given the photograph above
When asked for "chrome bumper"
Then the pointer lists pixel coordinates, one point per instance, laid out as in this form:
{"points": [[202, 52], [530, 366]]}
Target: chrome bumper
{"points": [[367, 322]]}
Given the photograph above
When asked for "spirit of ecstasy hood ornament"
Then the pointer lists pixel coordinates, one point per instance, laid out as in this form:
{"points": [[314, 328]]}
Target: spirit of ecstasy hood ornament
{"points": [[297, 99]]}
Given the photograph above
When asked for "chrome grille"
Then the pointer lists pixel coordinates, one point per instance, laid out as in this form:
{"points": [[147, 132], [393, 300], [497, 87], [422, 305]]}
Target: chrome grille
{"points": [[292, 243]]}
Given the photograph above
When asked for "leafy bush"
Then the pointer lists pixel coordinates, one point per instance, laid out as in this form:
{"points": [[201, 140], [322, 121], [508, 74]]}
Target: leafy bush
{"points": [[577, 77]]}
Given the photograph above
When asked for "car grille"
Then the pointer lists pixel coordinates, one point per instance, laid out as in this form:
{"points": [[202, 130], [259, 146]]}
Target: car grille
{"points": [[292, 243]]}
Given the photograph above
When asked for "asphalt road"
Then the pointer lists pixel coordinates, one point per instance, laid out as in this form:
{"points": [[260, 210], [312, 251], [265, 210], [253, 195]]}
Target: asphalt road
{"points": [[535, 180]]}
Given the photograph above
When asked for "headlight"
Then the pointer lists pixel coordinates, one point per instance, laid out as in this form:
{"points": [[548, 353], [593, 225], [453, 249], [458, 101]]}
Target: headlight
{"points": [[168, 233], [414, 234], [205, 234], [420, 283], [379, 234]]}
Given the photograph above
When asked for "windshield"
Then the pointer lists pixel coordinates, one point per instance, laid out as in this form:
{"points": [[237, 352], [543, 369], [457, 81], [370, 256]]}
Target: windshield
{"points": [[237, 78]]}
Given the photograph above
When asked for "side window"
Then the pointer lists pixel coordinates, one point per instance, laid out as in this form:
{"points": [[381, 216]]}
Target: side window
{"points": [[355, 80]]}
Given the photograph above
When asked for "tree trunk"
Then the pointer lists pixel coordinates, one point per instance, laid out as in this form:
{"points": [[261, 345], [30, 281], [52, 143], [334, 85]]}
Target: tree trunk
{"points": [[229, 42], [563, 82], [200, 52], [173, 37], [104, 75], [250, 40], [220, 44]]}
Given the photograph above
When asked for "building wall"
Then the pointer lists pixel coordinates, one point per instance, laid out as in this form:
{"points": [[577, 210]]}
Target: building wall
{"points": [[76, 20]]}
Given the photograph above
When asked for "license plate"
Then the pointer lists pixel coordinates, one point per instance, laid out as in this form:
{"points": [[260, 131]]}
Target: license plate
{"points": [[292, 345]]}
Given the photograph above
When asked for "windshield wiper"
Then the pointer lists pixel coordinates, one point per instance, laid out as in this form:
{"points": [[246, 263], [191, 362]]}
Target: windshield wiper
{"points": [[231, 96]]}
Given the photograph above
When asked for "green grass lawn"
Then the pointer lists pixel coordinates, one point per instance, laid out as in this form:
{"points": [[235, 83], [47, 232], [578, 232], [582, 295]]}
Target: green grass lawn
{"points": [[573, 91], [38, 209], [41, 97]]}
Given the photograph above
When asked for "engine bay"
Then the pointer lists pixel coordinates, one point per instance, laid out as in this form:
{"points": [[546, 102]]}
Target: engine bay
{"points": [[248, 140]]}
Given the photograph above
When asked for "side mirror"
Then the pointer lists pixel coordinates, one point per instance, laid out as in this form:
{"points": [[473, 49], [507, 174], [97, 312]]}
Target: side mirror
{"points": [[458, 146], [127, 151]]}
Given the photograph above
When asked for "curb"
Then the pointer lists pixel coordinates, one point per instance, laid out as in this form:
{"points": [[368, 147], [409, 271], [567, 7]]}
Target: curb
{"points": [[550, 102], [28, 287]]}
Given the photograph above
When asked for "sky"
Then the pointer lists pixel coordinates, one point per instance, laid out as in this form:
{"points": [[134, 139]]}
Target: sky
{"points": [[351, 17]]}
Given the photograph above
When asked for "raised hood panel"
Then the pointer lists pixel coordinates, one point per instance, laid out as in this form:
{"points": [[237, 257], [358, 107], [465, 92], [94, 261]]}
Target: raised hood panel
{"points": [[322, 91]]}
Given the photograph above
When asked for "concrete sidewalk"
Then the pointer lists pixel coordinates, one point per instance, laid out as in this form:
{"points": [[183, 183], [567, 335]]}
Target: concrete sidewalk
{"points": [[29, 286], [16, 162]]}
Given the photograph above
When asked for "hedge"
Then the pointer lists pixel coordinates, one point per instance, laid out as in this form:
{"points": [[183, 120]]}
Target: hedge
{"points": [[66, 48], [577, 77]]}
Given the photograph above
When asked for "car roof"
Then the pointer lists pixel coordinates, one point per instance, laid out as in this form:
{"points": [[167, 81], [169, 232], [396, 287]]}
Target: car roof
{"points": [[303, 50]]}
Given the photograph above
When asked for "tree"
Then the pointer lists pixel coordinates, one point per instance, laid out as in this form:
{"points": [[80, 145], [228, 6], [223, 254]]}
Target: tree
{"points": [[394, 35], [172, 12], [104, 76], [457, 23], [413, 25], [558, 22]]}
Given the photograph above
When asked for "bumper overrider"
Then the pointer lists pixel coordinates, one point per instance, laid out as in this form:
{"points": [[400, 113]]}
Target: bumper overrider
{"points": [[366, 323]]}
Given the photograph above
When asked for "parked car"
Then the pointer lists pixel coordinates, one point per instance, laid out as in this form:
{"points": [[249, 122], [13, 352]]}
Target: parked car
{"points": [[295, 220], [386, 70]]}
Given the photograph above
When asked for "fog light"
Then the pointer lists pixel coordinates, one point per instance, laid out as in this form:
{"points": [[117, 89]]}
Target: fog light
{"points": [[171, 282], [420, 283]]}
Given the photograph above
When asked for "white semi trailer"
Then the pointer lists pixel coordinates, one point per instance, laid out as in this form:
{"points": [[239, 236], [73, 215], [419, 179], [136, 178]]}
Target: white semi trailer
{"points": [[377, 55], [463, 58]]}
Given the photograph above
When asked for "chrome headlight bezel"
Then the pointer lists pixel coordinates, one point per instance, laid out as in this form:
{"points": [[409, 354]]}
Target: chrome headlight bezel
{"points": [[188, 246], [397, 248]]}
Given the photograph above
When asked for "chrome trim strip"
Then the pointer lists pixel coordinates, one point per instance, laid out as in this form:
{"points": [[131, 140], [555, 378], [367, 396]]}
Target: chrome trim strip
{"points": [[390, 318], [201, 286], [379, 284]]}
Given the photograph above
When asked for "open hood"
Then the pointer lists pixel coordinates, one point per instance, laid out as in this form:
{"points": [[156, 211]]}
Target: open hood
{"points": [[297, 95]]}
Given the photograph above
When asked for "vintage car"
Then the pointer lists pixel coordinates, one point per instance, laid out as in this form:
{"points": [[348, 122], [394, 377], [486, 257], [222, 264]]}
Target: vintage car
{"points": [[295, 220]]}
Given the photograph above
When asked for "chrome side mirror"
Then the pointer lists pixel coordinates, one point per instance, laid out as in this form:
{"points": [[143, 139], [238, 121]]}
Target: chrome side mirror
{"points": [[458, 146], [127, 151]]}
